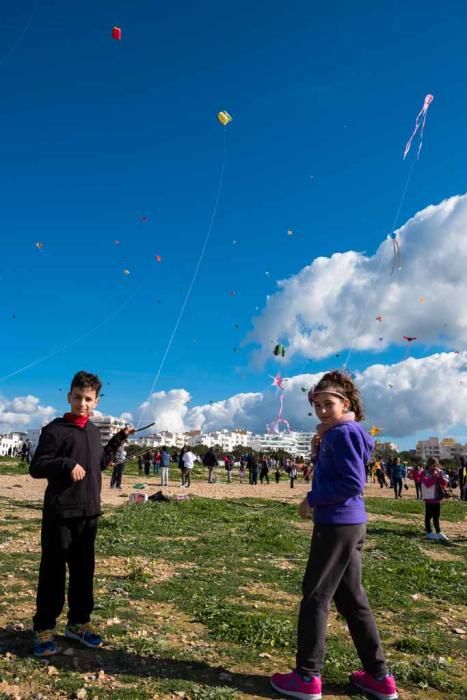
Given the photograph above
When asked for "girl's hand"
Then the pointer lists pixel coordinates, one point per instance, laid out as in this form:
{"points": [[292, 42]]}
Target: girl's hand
{"points": [[304, 509]]}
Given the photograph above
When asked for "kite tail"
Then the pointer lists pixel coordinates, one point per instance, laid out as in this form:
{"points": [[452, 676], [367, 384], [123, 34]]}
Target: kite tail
{"points": [[421, 114]]}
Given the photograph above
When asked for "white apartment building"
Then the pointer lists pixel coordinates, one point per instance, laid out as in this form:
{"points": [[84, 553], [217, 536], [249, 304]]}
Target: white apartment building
{"points": [[226, 439], [11, 441], [164, 438], [108, 426], [296, 443], [447, 448]]}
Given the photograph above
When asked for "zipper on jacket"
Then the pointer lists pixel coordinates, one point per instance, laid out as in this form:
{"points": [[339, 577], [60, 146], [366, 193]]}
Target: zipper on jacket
{"points": [[88, 470]]}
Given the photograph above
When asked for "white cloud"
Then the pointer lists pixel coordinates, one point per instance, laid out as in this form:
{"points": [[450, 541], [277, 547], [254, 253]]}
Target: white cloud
{"points": [[318, 311], [23, 412], [426, 394]]}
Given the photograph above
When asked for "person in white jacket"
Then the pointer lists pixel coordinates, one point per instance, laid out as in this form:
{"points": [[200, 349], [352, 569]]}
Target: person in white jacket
{"points": [[188, 463]]}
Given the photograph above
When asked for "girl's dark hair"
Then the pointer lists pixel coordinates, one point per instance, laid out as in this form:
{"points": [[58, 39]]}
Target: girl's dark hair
{"points": [[86, 380], [342, 383]]}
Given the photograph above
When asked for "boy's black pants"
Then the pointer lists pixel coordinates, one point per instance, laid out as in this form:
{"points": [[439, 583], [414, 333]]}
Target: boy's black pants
{"points": [[66, 542], [334, 573]]}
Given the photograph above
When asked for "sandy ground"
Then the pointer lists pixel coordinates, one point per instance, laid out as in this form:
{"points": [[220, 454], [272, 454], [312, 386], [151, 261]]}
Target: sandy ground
{"points": [[23, 487]]}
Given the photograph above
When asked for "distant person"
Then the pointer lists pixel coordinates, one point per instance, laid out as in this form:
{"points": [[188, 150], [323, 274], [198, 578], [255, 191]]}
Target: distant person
{"points": [[181, 465], [252, 466], [188, 463], [433, 482], [70, 456], [398, 476], [140, 465], [333, 571], [156, 462], [24, 452], [147, 459], [277, 472], [228, 463], [210, 461], [417, 479], [293, 474], [119, 465], [165, 464], [241, 471], [264, 471]]}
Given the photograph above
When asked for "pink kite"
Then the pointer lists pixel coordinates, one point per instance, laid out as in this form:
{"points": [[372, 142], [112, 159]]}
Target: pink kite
{"points": [[273, 428], [278, 381], [158, 258], [419, 122]]}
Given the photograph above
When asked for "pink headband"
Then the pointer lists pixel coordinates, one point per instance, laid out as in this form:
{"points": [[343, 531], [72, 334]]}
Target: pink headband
{"points": [[312, 394]]}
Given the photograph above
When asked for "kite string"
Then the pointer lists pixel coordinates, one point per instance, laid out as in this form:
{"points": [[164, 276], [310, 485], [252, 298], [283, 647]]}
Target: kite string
{"points": [[192, 283], [378, 272], [79, 338], [19, 39]]}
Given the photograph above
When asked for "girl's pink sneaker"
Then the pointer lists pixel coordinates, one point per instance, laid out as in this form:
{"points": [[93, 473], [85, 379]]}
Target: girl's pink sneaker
{"points": [[385, 689], [294, 686]]}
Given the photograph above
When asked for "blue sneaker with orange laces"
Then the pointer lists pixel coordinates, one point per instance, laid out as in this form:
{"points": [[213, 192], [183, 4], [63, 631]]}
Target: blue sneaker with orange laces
{"points": [[296, 686], [44, 643], [85, 634]]}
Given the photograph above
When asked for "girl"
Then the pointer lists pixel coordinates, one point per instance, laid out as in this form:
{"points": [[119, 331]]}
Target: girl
{"points": [[432, 482], [333, 571], [417, 479]]}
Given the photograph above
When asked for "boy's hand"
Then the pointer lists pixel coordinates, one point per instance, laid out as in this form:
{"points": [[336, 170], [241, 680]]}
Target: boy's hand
{"points": [[128, 430], [304, 509], [77, 473]]}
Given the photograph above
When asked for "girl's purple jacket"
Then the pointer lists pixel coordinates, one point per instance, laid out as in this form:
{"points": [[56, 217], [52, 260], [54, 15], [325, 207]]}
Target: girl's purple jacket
{"points": [[339, 476]]}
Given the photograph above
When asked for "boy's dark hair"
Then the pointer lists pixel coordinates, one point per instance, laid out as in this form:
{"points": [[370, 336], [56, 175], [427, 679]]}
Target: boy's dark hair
{"points": [[86, 380], [343, 384]]}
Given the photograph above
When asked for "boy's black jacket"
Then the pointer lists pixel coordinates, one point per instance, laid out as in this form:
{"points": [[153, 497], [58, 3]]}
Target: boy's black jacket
{"points": [[61, 446]]}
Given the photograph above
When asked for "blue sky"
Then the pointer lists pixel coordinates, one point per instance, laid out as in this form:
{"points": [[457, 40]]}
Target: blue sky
{"points": [[97, 134]]}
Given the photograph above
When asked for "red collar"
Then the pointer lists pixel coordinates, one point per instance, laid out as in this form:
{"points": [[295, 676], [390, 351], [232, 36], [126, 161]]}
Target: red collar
{"points": [[80, 421]]}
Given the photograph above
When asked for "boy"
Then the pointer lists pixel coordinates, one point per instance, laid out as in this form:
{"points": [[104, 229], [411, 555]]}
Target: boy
{"points": [[70, 456]]}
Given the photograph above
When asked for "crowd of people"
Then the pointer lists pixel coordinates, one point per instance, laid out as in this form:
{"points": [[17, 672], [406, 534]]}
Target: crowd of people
{"points": [[262, 468]]}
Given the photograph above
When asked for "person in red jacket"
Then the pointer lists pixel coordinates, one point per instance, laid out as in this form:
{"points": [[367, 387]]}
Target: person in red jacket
{"points": [[433, 482]]}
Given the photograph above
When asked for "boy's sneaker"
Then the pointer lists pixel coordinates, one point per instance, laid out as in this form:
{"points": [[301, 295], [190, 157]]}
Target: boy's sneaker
{"points": [[44, 643], [294, 686], [442, 536], [84, 634], [384, 689]]}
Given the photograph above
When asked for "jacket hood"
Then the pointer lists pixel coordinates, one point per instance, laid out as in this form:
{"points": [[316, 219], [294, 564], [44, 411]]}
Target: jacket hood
{"points": [[366, 441]]}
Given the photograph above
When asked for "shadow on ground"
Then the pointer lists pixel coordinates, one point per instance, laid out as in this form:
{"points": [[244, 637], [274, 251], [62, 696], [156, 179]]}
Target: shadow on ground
{"points": [[115, 662]]}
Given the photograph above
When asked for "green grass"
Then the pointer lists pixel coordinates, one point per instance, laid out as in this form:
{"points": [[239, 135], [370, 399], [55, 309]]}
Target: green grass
{"points": [[230, 591]]}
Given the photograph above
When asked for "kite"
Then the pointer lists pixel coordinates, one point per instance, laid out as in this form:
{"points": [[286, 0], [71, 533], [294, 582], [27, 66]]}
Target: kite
{"points": [[232, 293], [267, 274], [290, 233], [409, 338], [379, 318], [144, 219], [279, 350], [158, 258], [224, 118], [397, 253], [304, 389], [39, 245], [117, 242], [278, 381], [422, 300], [419, 122], [273, 428], [126, 272], [116, 33], [374, 431]]}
